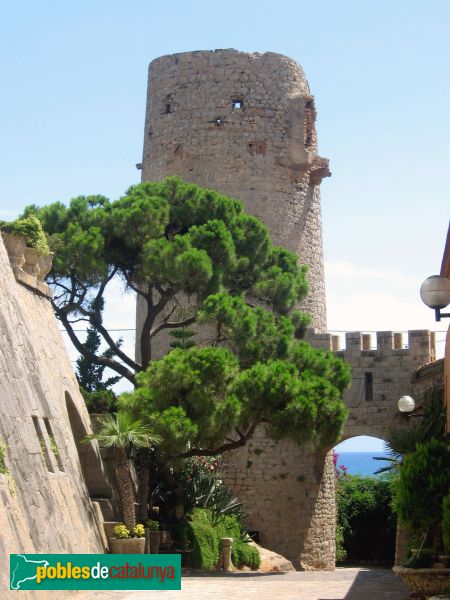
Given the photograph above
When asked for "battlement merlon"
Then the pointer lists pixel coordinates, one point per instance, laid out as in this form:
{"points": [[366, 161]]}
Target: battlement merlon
{"points": [[29, 267], [421, 344]]}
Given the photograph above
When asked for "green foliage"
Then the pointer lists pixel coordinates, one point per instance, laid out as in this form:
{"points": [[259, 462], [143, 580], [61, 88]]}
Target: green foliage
{"points": [[101, 401], [365, 522], [54, 446], [182, 338], [421, 560], [121, 532], [31, 229], [245, 555], [423, 483], [204, 532], [138, 531], [446, 522], [170, 240], [122, 431], [4, 469], [204, 541], [431, 424], [166, 238], [195, 398], [341, 552], [152, 525], [204, 488]]}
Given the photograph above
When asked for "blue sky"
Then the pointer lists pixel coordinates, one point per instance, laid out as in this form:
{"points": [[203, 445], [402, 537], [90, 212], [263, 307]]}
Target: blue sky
{"points": [[72, 114]]}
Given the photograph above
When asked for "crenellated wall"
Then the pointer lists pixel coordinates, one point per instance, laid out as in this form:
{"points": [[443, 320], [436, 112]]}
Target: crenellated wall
{"points": [[288, 490], [380, 375]]}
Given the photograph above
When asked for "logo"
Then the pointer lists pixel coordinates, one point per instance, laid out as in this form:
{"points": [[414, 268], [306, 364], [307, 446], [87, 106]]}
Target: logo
{"points": [[95, 572]]}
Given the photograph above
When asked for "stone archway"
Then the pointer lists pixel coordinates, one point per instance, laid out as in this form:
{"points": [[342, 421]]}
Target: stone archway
{"points": [[364, 502]]}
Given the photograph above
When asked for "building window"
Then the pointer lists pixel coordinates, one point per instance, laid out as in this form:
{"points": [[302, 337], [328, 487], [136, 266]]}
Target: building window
{"points": [[53, 444], [43, 445], [237, 104]]}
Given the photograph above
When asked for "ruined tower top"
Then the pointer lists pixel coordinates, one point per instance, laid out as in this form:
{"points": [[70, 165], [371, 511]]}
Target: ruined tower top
{"points": [[243, 124]]}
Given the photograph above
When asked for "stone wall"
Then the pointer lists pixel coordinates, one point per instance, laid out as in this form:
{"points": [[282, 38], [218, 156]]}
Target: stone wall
{"points": [[380, 376], [290, 490], [243, 124], [42, 419]]}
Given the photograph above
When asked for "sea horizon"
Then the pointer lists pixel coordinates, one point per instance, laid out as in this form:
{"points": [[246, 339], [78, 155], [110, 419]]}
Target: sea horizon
{"points": [[362, 463]]}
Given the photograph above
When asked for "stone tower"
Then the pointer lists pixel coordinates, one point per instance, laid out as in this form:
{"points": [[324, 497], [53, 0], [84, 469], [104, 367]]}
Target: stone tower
{"points": [[244, 124]]}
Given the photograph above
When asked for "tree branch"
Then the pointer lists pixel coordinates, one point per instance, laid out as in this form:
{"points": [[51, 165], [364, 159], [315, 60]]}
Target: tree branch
{"points": [[231, 445], [98, 360], [172, 325], [114, 347]]}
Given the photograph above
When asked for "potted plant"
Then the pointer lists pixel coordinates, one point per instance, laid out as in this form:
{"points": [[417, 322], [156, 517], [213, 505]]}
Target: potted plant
{"points": [[126, 541], [153, 536], [424, 481]]}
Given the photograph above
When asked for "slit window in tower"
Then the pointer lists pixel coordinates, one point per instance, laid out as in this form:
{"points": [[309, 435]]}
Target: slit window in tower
{"points": [[368, 386], [237, 104]]}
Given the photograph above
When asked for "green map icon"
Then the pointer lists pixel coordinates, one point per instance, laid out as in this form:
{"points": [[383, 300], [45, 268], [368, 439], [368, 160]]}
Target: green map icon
{"points": [[23, 569]]}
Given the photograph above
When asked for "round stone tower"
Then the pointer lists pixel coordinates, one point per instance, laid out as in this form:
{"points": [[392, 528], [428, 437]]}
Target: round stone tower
{"points": [[244, 124]]}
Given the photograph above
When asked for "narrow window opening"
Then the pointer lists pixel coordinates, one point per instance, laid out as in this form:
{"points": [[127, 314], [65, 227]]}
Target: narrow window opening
{"points": [[219, 122], [43, 446], [167, 107], [237, 104], [368, 386], [53, 444]]}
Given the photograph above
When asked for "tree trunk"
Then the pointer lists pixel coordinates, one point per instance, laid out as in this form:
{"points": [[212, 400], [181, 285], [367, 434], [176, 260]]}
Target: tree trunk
{"points": [[125, 488], [144, 478]]}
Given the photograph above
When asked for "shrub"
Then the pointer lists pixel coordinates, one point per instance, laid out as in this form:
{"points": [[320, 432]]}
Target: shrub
{"points": [[152, 525], [204, 488], [446, 522], [243, 554], [204, 531], [31, 229], [423, 482], [365, 521], [100, 401], [341, 553]]}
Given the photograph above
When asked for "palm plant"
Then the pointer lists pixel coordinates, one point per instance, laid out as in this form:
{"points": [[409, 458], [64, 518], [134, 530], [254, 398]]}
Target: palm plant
{"points": [[401, 441], [121, 432]]}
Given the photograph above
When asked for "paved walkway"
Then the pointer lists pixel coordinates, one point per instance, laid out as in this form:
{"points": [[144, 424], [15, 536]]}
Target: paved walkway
{"points": [[348, 584]]}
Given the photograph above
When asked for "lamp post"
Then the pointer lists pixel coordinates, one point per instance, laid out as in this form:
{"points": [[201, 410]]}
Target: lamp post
{"points": [[406, 404], [435, 293]]}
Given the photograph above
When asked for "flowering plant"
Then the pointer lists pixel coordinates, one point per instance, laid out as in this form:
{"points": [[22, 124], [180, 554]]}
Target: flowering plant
{"points": [[121, 532], [340, 471], [138, 531]]}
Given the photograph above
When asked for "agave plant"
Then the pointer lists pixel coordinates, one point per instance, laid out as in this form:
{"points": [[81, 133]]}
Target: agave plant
{"points": [[121, 432]]}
